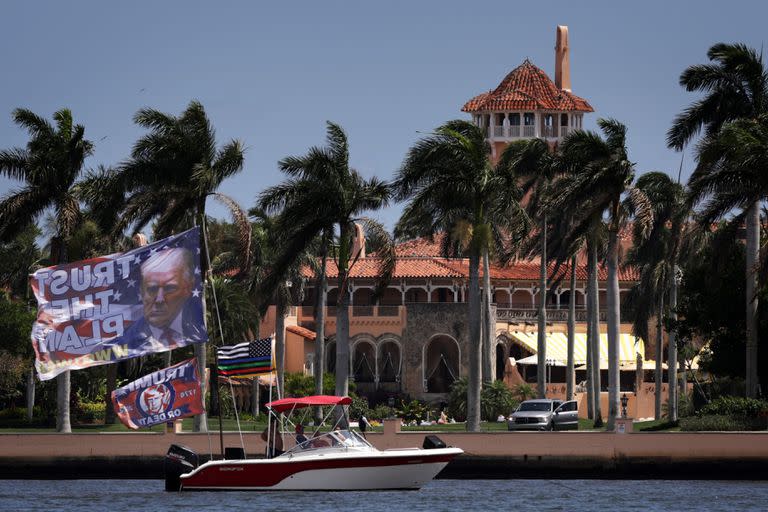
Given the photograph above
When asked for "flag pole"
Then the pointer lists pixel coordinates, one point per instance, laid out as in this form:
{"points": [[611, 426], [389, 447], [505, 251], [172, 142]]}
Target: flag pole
{"points": [[215, 375]]}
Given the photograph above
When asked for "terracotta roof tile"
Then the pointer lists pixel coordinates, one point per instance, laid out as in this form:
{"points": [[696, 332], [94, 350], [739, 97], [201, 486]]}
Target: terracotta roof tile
{"points": [[527, 87]]}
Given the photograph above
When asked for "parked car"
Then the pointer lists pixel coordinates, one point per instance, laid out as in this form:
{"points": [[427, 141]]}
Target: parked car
{"points": [[544, 414]]}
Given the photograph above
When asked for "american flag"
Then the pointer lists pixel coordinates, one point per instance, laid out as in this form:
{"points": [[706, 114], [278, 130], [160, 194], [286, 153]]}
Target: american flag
{"points": [[246, 359]]}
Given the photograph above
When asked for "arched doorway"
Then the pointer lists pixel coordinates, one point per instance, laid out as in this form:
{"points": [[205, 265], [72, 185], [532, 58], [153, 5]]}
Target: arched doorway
{"points": [[441, 364]]}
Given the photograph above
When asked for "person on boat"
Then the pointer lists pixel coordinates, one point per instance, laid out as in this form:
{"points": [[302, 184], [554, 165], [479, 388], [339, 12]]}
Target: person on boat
{"points": [[363, 424], [273, 438], [300, 437]]}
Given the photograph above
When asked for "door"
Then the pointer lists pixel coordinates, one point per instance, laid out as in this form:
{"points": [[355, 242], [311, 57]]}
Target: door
{"points": [[567, 416]]}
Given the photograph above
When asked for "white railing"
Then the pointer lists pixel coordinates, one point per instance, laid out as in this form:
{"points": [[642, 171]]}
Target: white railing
{"points": [[549, 132], [498, 131], [514, 130], [564, 130], [529, 131]]}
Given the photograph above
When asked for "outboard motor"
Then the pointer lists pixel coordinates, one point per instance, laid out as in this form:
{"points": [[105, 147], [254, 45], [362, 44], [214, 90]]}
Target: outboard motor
{"points": [[178, 460], [431, 442]]}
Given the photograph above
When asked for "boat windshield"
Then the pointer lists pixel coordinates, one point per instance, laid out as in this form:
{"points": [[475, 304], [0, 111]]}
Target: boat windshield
{"points": [[333, 439]]}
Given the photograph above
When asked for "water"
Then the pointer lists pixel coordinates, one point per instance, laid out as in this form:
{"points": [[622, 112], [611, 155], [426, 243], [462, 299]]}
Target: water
{"points": [[439, 495]]}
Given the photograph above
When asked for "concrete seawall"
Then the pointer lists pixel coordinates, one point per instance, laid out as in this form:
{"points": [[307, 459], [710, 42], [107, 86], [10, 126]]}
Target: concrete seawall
{"points": [[720, 455]]}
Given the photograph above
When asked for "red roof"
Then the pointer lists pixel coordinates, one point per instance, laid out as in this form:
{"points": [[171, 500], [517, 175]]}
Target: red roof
{"points": [[420, 258], [527, 87], [287, 404]]}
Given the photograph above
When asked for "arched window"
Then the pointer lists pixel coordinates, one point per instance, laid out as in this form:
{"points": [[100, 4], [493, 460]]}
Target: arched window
{"points": [[330, 357], [364, 362], [389, 362]]}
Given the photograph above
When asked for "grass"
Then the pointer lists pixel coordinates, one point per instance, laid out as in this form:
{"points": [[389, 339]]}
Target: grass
{"points": [[251, 425]]}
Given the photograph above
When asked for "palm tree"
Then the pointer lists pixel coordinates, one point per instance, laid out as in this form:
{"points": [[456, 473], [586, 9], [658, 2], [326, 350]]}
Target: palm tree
{"points": [[535, 163], [655, 257], [736, 87], [453, 188], [49, 168], [601, 184], [172, 171], [339, 195]]}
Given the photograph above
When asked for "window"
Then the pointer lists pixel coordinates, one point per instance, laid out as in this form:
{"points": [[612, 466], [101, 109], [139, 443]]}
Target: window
{"points": [[528, 118], [514, 119]]}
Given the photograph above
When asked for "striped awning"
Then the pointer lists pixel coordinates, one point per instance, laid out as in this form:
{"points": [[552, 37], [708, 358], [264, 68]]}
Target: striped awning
{"points": [[557, 348]]}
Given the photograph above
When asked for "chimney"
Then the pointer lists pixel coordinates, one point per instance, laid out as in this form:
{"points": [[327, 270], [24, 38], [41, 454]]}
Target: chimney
{"points": [[562, 64], [358, 243]]}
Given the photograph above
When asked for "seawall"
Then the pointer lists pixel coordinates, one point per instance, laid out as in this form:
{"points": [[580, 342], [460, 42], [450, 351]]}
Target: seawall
{"points": [[715, 455]]}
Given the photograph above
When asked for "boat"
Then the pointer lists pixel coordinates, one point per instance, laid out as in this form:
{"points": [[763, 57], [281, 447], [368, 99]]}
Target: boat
{"points": [[338, 460]]}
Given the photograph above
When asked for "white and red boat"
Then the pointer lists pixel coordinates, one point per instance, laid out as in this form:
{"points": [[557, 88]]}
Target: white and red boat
{"points": [[337, 460]]}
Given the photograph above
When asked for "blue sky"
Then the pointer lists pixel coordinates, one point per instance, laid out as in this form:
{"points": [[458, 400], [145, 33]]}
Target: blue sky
{"points": [[271, 74]]}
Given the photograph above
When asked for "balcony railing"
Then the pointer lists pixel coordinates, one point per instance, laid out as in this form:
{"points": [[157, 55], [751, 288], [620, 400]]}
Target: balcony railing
{"points": [[529, 131]]}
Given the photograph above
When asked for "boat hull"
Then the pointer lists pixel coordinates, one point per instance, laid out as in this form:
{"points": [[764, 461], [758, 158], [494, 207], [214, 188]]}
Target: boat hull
{"points": [[391, 469]]}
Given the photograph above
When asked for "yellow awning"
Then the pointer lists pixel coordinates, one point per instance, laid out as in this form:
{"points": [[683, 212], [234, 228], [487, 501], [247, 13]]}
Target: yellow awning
{"points": [[557, 347]]}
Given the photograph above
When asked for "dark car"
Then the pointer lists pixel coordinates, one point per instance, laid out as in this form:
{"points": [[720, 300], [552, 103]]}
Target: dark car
{"points": [[545, 414]]}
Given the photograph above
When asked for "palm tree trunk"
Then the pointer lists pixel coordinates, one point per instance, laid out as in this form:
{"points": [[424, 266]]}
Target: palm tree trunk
{"points": [[200, 421], [672, 350], [753, 256], [342, 317], [614, 319], [569, 371], [109, 409], [590, 357], [489, 324], [541, 342], [474, 344], [594, 319], [31, 392], [320, 304], [63, 424], [280, 311], [659, 373], [63, 382]]}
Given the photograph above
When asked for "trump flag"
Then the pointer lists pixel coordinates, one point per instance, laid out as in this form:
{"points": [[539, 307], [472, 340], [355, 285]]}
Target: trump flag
{"points": [[119, 306], [165, 395]]}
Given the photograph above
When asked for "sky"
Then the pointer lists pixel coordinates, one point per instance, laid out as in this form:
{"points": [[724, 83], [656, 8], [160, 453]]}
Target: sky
{"points": [[272, 73]]}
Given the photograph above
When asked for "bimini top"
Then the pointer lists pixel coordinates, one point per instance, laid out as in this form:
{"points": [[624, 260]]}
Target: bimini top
{"points": [[287, 404]]}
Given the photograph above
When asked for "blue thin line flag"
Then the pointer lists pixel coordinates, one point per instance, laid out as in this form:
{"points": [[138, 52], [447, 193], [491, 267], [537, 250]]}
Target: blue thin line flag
{"points": [[246, 359]]}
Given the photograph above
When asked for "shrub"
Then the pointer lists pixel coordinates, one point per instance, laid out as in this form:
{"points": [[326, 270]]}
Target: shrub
{"points": [[91, 411], [457, 400], [720, 422], [412, 411], [358, 407], [380, 412], [735, 406], [524, 392], [496, 399]]}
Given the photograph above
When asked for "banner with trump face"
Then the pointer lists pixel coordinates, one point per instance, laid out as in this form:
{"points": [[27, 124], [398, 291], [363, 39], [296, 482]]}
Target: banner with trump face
{"points": [[119, 306], [165, 395]]}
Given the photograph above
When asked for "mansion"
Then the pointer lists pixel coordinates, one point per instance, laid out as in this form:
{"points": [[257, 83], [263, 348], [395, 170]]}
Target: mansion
{"points": [[414, 339]]}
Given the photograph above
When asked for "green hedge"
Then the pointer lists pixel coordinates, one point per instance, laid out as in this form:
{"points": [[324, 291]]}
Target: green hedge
{"points": [[91, 411], [719, 422], [735, 406]]}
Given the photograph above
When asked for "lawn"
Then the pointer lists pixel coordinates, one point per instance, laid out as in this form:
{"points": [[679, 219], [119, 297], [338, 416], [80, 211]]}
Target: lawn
{"points": [[251, 425]]}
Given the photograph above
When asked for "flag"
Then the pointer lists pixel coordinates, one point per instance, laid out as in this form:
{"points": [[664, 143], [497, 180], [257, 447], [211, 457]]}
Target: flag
{"points": [[165, 395], [246, 359], [118, 306]]}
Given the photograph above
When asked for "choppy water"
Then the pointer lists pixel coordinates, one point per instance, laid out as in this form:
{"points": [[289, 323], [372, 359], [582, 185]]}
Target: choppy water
{"points": [[439, 495]]}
